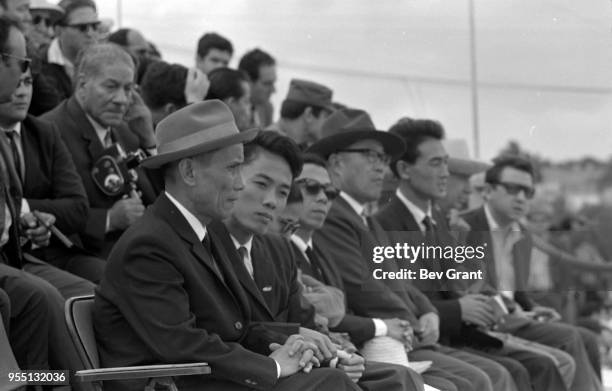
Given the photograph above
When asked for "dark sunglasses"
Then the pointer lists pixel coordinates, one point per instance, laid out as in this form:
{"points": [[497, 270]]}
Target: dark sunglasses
{"points": [[23, 62], [313, 188], [515, 189], [84, 27], [38, 19]]}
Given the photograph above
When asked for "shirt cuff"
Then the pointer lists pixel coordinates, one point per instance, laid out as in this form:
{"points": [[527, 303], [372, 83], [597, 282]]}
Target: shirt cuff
{"points": [[25, 207], [380, 327], [278, 369]]}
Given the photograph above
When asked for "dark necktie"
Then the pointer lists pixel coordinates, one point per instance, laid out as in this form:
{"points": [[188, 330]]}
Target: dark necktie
{"points": [[428, 223], [12, 135], [208, 246], [315, 265], [244, 257]]}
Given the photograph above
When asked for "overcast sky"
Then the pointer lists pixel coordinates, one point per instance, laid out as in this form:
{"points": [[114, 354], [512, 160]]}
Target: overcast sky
{"points": [[544, 66]]}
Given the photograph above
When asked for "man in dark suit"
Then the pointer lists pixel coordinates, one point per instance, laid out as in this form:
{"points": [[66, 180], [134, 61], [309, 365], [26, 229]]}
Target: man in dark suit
{"points": [[169, 293], [50, 182], [411, 216], [496, 225], [92, 120], [266, 265], [356, 154]]}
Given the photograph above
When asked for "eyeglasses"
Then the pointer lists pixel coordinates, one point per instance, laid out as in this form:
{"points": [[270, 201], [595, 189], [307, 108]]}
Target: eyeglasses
{"points": [[38, 19], [373, 157], [85, 27], [23, 62], [515, 189], [313, 188]]}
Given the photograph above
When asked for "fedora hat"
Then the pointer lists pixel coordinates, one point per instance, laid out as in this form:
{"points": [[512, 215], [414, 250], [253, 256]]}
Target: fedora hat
{"points": [[345, 127], [194, 129], [310, 93], [459, 162], [54, 11]]}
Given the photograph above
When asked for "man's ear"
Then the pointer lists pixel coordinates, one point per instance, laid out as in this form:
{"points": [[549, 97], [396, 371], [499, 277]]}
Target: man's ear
{"points": [[403, 169], [307, 115], [187, 171], [169, 108]]}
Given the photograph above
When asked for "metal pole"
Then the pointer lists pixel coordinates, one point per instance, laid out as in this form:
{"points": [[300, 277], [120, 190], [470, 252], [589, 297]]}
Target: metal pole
{"points": [[119, 14], [474, 82]]}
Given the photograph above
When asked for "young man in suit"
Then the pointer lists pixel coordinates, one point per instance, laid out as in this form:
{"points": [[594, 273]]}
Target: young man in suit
{"points": [[50, 184], [91, 121], [412, 216], [169, 293], [266, 264], [509, 187], [356, 155]]}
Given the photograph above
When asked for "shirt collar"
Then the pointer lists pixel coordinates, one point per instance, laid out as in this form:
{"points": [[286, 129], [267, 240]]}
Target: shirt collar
{"points": [[248, 244], [56, 56], [357, 207], [196, 225], [16, 128], [300, 243], [494, 226], [416, 212], [101, 131]]}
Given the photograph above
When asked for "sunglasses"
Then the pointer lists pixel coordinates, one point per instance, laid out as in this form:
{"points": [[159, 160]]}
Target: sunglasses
{"points": [[374, 157], [85, 27], [313, 188], [515, 189], [23, 62], [38, 19]]}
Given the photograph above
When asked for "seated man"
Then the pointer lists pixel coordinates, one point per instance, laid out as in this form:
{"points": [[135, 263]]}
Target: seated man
{"points": [[170, 295], [50, 182], [506, 267], [266, 266], [92, 123], [423, 173], [356, 156]]}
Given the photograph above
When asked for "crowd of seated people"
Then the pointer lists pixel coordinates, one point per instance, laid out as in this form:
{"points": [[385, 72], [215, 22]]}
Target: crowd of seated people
{"points": [[210, 232]]}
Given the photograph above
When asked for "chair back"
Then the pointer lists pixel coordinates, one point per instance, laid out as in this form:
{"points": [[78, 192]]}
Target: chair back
{"points": [[78, 311]]}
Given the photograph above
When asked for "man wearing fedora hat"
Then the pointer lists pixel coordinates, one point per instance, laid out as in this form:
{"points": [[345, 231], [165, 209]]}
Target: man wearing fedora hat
{"points": [[413, 216], [357, 154], [304, 111], [170, 295]]}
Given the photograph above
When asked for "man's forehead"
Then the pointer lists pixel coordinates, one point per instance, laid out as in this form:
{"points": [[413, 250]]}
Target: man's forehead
{"points": [[432, 148], [514, 175], [316, 172], [16, 43]]}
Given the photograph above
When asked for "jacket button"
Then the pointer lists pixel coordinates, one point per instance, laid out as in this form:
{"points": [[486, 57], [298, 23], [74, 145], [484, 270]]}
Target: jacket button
{"points": [[238, 326]]}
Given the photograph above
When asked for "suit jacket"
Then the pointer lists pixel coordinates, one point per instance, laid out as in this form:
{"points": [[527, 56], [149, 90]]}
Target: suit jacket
{"points": [[11, 193], [85, 147], [360, 328], [51, 182], [480, 234], [274, 292], [53, 80], [350, 244], [162, 300], [397, 220]]}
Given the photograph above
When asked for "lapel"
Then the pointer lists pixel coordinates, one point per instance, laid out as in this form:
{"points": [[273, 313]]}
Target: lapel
{"points": [[76, 113], [31, 157], [521, 256], [345, 209], [481, 227], [237, 265]]}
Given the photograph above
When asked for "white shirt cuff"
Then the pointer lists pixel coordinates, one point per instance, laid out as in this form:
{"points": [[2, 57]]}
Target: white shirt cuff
{"points": [[278, 369], [107, 221], [25, 207], [380, 327]]}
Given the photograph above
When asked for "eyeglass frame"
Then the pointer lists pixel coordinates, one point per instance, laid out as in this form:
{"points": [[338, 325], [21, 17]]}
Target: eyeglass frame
{"points": [[24, 62], [371, 155], [515, 188], [330, 191], [84, 27]]}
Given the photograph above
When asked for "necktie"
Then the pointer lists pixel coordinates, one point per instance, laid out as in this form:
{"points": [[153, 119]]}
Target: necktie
{"points": [[428, 223], [208, 246], [364, 217], [244, 255], [12, 135], [108, 141], [315, 265]]}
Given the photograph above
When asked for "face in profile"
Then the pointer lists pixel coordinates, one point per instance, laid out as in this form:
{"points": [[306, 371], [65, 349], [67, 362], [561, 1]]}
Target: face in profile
{"points": [[267, 182], [509, 196], [429, 173], [17, 109], [214, 59], [317, 193], [263, 88]]}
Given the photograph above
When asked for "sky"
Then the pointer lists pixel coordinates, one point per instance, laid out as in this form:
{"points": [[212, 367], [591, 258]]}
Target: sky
{"points": [[544, 67]]}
